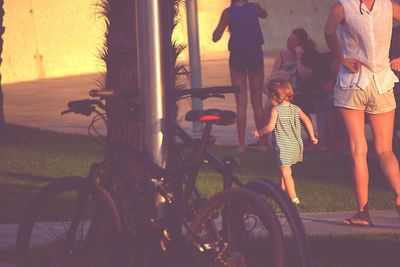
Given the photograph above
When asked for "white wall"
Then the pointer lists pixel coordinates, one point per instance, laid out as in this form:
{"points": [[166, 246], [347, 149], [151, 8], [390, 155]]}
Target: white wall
{"points": [[66, 34], [62, 37]]}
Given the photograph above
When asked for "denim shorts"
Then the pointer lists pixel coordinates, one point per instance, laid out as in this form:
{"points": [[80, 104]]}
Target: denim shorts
{"points": [[246, 59], [368, 100]]}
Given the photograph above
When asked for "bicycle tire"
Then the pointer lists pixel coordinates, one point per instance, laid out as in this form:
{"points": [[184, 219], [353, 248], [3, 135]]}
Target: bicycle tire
{"points": [[41, 240], [219, 221], [271, 192]]}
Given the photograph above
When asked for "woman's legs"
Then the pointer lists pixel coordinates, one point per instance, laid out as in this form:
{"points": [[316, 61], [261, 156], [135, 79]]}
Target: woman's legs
{"points": [[239, 78], [354, 121], [287, 181], [256, 83], [382, 129]]}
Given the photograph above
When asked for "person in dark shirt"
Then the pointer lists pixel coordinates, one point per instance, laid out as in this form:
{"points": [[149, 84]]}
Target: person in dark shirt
{"points": [[324, 69], [246, 61], [394, 53]]}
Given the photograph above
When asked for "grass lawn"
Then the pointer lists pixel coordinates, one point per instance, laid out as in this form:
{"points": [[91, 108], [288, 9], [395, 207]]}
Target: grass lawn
{"points": [[30, 158]]}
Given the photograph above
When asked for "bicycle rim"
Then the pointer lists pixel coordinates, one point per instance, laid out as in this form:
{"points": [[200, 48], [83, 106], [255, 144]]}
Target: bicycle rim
{"points": [[238, 229], [55, 229], [296, 242]]}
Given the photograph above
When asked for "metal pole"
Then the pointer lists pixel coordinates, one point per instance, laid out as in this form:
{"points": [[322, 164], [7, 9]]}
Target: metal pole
{"points": [[151, 81], [194, 54]]}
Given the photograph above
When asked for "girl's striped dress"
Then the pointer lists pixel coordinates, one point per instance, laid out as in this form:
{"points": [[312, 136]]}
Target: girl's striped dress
{"points": [[287, 133]]}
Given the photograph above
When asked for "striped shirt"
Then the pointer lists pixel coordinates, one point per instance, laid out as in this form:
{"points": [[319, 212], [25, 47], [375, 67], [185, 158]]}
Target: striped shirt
{"points": [[287, 134]]}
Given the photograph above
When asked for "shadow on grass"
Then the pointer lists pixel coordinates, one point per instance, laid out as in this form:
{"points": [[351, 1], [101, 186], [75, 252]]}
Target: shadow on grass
{"points": [[16, 134], [14, 199], [26, 176]]}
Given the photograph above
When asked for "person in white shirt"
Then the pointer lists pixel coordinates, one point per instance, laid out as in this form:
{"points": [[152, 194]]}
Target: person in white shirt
{"points": [[365, 86]]}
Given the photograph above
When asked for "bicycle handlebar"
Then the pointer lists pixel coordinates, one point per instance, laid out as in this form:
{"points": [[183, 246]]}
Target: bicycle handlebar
{"points": [[132, 95], [201, 93], [205, 92], [87, 106]]}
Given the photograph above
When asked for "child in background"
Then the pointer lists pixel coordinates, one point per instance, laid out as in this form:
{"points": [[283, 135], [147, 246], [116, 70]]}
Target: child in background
{"points": [[285, 124]]}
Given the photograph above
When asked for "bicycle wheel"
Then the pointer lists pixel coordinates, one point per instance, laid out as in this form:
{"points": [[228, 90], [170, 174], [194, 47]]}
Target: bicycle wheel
{"points": [[237, 228], [55, 229], [289, 219]]}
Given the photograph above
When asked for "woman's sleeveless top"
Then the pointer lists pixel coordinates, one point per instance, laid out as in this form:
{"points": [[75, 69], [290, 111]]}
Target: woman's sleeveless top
{"points": [[244, 27], [287, 133], [366, 37]]}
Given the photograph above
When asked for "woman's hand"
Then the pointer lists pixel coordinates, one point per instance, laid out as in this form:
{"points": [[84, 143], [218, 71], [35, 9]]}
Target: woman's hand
{"points": [[395, 64], [255, 133], [352, 65]]}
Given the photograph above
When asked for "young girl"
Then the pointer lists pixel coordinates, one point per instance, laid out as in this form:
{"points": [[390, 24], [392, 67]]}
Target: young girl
{"points": [[286, 127]]}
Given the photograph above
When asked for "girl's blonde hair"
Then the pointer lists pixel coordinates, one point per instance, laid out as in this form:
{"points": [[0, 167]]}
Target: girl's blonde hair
{"points": [[279, 90]]}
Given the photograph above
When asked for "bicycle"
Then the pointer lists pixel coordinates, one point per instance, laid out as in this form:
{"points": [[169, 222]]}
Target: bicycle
{"points": [[269, 191], [217, 234]]}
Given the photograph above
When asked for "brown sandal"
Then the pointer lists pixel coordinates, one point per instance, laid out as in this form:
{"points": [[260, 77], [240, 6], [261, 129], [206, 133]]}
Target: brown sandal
{"points": [[361, 218]]}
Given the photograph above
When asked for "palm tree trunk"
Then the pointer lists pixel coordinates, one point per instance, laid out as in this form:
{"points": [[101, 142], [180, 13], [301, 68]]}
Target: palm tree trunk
{"points": [[119, 55], [120, 58], [2, 120]]}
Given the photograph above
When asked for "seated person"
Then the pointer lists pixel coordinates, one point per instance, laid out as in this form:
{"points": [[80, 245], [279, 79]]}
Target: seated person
{"points": [[394, 52], [319, 91], [288, 64]]}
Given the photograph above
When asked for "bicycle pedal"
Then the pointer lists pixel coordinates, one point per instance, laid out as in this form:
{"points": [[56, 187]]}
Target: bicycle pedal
{"points": [[165, 240]]}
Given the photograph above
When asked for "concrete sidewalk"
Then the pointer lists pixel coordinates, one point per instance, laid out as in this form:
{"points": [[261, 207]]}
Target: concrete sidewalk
{"points": [[316, 224], [39, 103]]}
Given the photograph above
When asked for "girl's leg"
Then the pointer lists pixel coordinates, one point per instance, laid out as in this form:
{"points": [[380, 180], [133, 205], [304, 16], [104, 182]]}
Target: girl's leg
{"points": [[354, 121], [239, 78], [286, 172], [382, 129], [283, 187], [256, 83]]}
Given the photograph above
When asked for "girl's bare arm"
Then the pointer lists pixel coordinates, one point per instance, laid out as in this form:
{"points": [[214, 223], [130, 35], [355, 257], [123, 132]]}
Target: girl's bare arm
{"points": [[309, 126], [270, 125]]}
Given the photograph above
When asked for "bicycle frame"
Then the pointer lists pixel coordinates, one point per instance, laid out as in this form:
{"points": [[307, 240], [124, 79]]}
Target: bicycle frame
{"points": [[158, 178], [217, 165]]}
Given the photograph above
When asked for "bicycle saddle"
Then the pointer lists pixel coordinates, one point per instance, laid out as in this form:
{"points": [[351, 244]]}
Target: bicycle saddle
{"points": [[216, 116]]}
